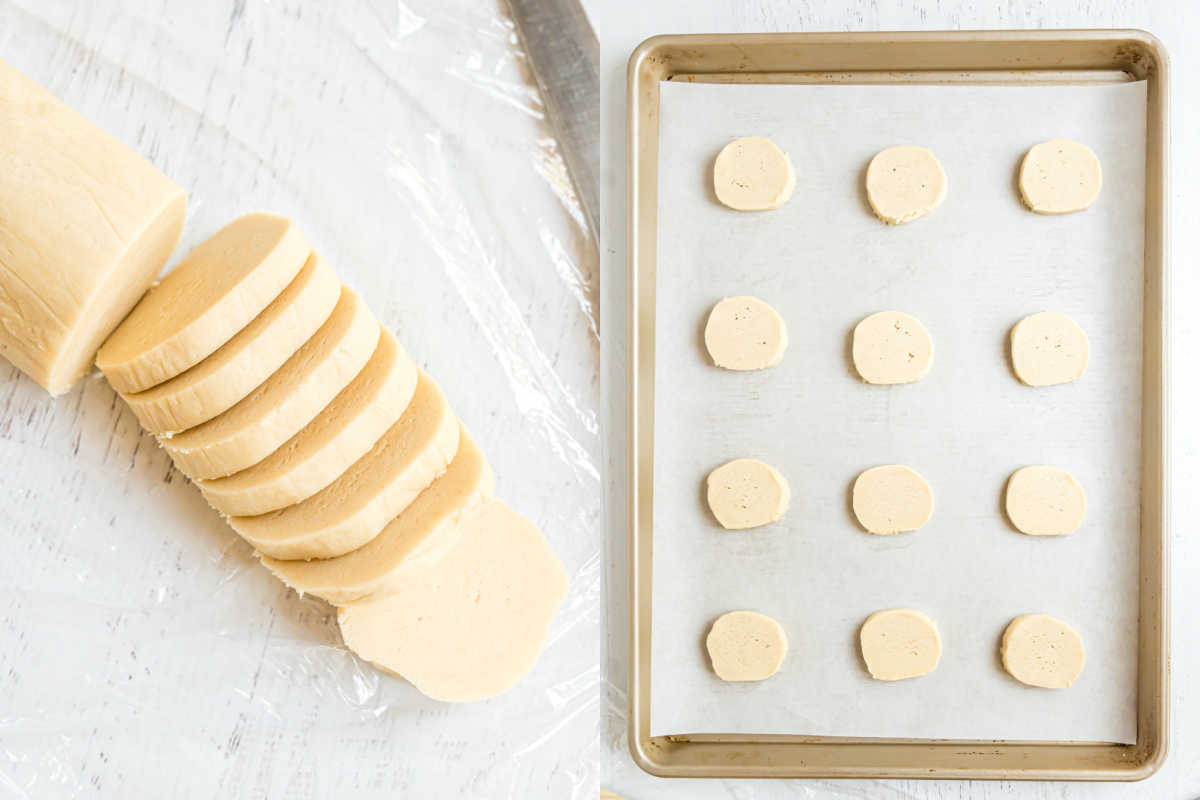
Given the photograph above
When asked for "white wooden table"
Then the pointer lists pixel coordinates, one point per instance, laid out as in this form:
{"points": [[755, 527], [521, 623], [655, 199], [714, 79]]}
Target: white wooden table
{"points": [[621, 25]]}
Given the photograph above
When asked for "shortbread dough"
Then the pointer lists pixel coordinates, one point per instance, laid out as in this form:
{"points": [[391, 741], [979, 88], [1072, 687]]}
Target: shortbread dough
{"points": [[1048, 348], [905, 183], [892, 347], [1040, 650], [746, 646], [747, 493], [900, 643], [1060, 177], [1045, 501], [752, 174], [745, 333], [892, 499]]}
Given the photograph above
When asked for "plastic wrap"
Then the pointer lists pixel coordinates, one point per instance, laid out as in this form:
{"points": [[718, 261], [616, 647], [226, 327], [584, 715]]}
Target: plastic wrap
{"points": [[146, 653]]}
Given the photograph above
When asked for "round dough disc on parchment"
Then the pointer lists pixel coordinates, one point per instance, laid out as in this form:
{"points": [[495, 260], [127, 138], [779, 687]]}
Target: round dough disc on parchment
{"points": [[744, 333], [1040, 650], [1060, 177], [747, 493], [905, 183], [892, 499], [746, 646], [892, 347], [752, 174], [1048, 348], [1044, 501], [899, 643]]}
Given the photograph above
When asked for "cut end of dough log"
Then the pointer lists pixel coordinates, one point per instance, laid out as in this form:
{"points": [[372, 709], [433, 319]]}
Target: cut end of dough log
{"points": [[900, 643], [1045, 501], [905, 183], [1048, 348], [746, 646], [892, 347], [752, 174], [744, 333], [747, 493], [1039, 650], [1060, 177], [892, 499]]}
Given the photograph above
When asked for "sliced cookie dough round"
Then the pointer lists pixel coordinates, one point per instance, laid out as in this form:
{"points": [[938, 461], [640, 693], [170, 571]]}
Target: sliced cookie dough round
{"points": [[1048, 348], [892, 499], [900, 643], [892, 347], [472, 625], [285, 402], [753, 174], [746, 646], [225, 377], [905, 183], [353, 509], [746, 493], [326, 447], [744, 333], [421, 535], [1060, 177], [1039, 650], [204, 301], [1044, 501]]}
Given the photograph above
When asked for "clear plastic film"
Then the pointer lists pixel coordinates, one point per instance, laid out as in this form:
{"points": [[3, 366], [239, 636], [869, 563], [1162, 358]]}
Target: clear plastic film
{"points": [[146, 652]]}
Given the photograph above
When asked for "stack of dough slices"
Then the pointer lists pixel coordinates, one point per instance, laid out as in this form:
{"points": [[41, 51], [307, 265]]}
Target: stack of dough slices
{"points": [[303, 421]]}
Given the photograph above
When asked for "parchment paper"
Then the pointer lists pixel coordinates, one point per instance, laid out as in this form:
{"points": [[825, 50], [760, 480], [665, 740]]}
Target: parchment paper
{"points": [[969, 271]]}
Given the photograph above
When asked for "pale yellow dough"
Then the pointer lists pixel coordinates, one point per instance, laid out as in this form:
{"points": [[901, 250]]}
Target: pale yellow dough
{"points": [[1040, 650], [1048, 348], [892, 499], [892, 347], [905, 183], [752, 174], [1045, 501], [900, 643], [746, 646], [747, 493], [744, 333], [471, 625], [1060, 177]]}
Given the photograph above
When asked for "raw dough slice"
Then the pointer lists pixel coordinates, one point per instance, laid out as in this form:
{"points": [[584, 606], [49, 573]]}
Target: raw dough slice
{"points": [[285, 402], [246, 360], [900, 643], [747, 493], [1040, 650], [86, 224], [752, 174], [349, 512], [472, 625], [323, 449], [892, 499], [905, 183], [1045, 501], [423, 533], [206, 299], [1060, 177], [1048, 348], [892, 347], [745, 333], [746, 646]]}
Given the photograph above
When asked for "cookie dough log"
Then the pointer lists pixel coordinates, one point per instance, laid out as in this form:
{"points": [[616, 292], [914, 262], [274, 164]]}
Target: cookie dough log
{"points": [[900, 643], [86, 225], [746, 646], [905, 183], [287, 401], [245, 361], [1048, 348], [1039, 650], [892, 347], [1060, 177], [421, 535], [471, 625], [891, 499], [213, 293], [353, 509], [326, 447], [752, 174], [1044, 501], [744, 333], [746, 493]]}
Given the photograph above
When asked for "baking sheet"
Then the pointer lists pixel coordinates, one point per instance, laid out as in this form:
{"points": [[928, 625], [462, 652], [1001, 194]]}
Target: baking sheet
{"points": [[969, 271]]}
